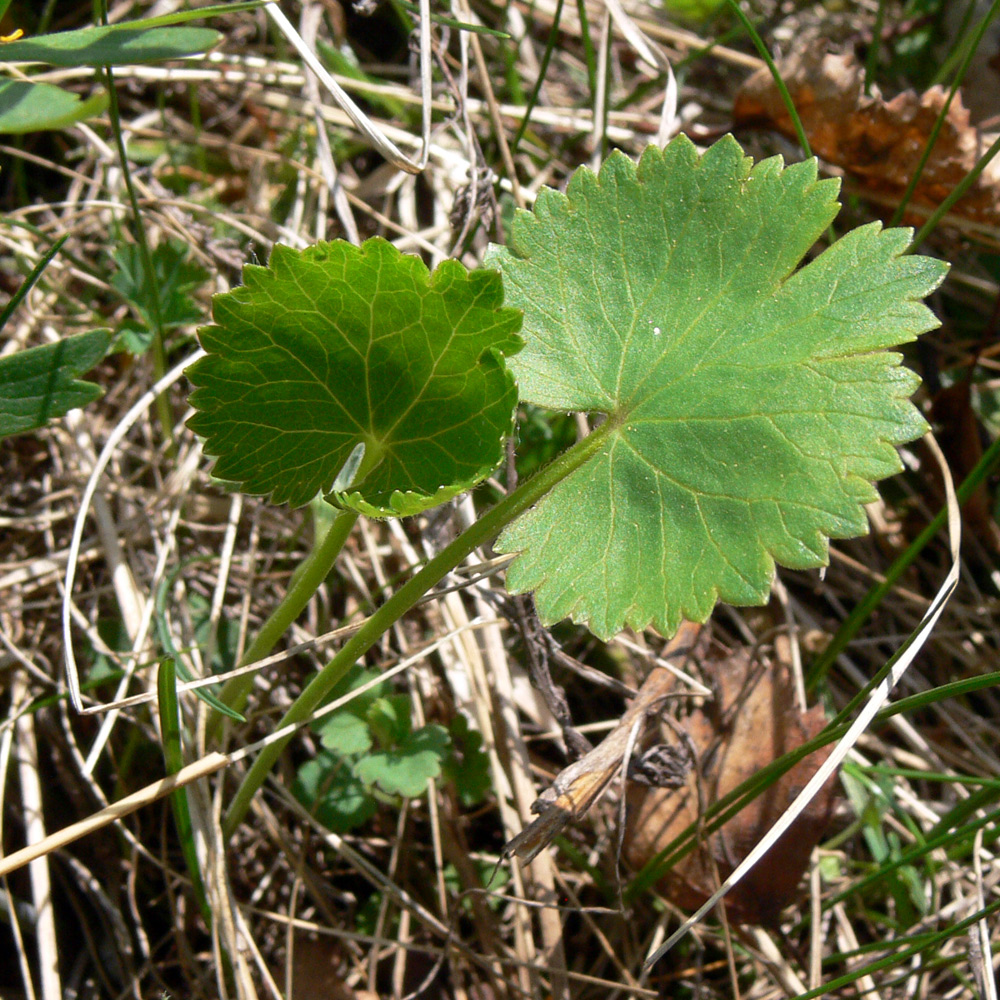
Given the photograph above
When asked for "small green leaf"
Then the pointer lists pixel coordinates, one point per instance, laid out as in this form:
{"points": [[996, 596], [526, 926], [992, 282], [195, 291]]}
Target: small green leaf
{"points": [[111, 45], [329, 789], [37, 107], [407, 769], [176, 278], [339, 345], [389, 718], [40, 383], [344, 733], [347, 730], [748, 407]]}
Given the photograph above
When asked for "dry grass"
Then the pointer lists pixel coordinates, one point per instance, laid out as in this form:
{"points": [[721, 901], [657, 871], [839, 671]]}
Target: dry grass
{"points": [[226, 163]]}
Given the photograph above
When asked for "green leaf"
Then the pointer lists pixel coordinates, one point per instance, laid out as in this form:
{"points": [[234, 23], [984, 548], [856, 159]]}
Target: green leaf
{"points": [[40, 383], [176, 278], [36, 107], [111, 45], [347, 731], [748, 407], [345, 734], [330, 790], [338, 345], [407, 769], [389, 718]]}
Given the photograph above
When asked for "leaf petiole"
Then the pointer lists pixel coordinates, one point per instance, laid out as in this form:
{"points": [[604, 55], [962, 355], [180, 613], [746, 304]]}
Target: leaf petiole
{"points": [[487, 527], [310, 576]]}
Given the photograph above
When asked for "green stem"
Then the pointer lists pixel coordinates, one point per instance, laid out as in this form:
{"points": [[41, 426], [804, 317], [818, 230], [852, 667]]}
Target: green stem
{"points": [[542, 70], [956, 193], [765, 54], [487, 527], [310, 577], [163, 411]]}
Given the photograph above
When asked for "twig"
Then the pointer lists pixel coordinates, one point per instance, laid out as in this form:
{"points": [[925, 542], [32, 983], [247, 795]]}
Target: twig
{"points": [[579, 786]]}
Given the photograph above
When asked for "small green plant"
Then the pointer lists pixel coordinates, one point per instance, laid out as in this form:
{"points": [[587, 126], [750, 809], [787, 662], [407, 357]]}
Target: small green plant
{"points": [[173, 306], [746, 407], [873, 798], [371, 752]]}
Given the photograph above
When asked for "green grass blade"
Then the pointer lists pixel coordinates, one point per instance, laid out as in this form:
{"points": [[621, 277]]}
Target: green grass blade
{"points": [[184, 16], [871, 58], [730, 805], [550, 46], [899, 959], [765, 54], [173, 760], [31, 280], [957, 192], [450, 22], [166, 640]]}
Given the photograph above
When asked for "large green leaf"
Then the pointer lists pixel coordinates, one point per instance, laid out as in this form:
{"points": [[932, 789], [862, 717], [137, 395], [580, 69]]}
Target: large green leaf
{"points": [[41, 383], [339, 346], [111, 45], [36, 107], [749, 408]]}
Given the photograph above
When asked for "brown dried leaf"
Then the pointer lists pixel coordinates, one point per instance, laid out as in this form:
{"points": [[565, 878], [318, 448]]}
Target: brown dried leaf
{"points": [[878, 142], [753, 722]]}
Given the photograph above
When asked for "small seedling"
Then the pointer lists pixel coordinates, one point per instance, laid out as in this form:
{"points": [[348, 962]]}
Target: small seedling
{"points": [[177, 277], [371, 751]]}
